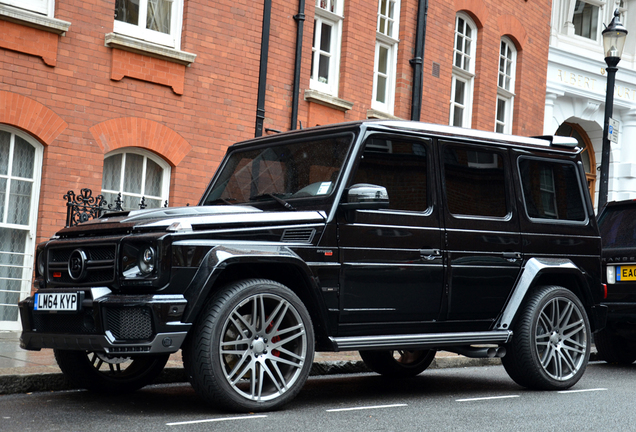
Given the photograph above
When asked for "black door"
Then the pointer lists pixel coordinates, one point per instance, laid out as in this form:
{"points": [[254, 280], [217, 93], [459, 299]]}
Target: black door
{"points": [[392, 266], [482, 231]]}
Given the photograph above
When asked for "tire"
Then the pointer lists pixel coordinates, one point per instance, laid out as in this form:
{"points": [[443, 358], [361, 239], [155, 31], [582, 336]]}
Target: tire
{"points": [[398, 363], [613, 348], [101, 373], [252, 347], [551, 341]]}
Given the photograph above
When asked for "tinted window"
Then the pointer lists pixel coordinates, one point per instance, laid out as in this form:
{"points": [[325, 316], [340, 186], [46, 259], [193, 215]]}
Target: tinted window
{"points": [[474, 182], [618, 227], [400, 166], [285, 170], [551, 190]]}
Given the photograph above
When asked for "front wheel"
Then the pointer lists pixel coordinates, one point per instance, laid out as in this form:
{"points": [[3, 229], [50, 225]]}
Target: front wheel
{"points": [[398, 363], [102, 373], [551, 341], [252, 347]]}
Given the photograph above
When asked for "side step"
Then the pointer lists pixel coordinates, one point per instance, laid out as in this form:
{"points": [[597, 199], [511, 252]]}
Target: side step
{"points": [[419, 341]]}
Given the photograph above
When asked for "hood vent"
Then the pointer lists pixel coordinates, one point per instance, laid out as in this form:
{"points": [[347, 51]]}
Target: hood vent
{"points": [[304, 235]]}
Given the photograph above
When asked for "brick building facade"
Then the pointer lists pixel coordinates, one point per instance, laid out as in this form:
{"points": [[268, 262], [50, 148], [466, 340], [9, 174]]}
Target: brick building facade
{"points": [[116, 105]]}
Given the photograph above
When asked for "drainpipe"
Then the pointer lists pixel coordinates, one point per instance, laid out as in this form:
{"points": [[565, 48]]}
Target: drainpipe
{"points": [[262, 75], [417, 62], [300, 19]]}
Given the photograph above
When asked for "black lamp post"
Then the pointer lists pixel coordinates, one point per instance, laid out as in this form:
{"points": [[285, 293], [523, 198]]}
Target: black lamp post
{"points": [[613, 43]]}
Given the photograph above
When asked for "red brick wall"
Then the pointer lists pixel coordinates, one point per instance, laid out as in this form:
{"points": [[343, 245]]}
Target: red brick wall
{"points": [[78, 108]]}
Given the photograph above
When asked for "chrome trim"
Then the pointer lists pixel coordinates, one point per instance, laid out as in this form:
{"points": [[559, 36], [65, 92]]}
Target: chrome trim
{"points": [[530, 271], [423, 341]]}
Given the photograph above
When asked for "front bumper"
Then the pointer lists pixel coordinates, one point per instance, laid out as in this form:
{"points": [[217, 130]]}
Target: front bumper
{"points": [[107, 322]]}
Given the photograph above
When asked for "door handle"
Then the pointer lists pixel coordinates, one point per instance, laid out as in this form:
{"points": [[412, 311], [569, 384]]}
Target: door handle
{"points": [[430, 254], [512, 256]]}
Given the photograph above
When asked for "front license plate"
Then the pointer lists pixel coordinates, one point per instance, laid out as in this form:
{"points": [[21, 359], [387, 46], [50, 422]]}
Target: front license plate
{"points": [[56, 302], [626, 273]]}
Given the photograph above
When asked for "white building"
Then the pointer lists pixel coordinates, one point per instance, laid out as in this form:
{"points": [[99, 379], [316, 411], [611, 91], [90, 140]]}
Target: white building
{"points": [[575, 96]]}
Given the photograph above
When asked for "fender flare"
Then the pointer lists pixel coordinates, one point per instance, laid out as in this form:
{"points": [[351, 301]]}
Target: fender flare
{"points": [[221, 256], [534, 268]]}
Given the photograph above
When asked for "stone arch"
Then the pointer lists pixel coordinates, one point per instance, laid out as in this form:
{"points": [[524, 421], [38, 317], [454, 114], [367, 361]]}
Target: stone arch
{"points": [[138, 132], [31, 116]]}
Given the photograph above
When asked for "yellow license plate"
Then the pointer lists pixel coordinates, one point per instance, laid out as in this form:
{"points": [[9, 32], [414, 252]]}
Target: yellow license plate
{"points": [[626, 273]]}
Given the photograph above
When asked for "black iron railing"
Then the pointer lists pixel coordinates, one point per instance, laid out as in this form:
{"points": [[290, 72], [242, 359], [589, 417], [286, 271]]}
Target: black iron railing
{"points": [[83, 207]]}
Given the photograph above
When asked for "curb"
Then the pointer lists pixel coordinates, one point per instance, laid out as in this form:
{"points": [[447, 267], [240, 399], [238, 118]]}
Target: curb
{"points": [[28, 383]]}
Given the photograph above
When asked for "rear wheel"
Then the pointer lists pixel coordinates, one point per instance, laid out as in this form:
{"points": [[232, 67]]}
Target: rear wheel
{"points": [[102, 373], [551, 341], [398, 363], [252, 347], [613, 348]]}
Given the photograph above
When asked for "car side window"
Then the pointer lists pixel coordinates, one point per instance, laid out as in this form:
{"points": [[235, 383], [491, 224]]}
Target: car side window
{"points": [[551, 190], [400, 165], [474, 181]]}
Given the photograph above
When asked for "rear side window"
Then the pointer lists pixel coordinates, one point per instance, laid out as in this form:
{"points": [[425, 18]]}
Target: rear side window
{"points": [[618, 227], [551, 190], [475, 182]]}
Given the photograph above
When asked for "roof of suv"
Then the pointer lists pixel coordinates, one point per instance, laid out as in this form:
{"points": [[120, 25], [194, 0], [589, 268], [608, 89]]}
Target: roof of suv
{"points": [[551, 143]]}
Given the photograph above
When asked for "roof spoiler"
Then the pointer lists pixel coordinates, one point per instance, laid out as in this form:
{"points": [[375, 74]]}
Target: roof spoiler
{"points": [[560, 141]]}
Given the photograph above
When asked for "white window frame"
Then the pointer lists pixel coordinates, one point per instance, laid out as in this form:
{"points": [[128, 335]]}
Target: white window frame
{"points": [[334, 19], [44, 7], [386, 38], [165, 181], [506, 94], [172, 40], [463, 73], [599, 19], [29, 249]]}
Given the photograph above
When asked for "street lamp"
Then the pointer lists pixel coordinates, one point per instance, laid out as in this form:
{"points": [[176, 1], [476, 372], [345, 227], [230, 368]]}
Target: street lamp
{"points": [[614, 37]]}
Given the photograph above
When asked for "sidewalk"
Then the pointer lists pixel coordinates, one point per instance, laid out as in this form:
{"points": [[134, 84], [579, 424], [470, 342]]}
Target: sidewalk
{"points": [[24, 371]]}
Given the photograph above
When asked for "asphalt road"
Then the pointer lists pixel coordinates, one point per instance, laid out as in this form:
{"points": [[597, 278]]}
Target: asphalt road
{"points": [[461, 399]]}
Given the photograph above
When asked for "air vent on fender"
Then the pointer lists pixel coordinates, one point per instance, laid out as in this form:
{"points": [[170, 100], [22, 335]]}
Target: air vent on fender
{"points": [[304, 235]]}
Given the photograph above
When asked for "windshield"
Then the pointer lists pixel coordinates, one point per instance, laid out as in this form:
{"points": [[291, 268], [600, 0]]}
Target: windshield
{"points": [[287, 170], [618, 227]]}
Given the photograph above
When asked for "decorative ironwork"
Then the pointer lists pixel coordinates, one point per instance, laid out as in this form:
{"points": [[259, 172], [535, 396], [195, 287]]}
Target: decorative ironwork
{"points": [[83, 207]]}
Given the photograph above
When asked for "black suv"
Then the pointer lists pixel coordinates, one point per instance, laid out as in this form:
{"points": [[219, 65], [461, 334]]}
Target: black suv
{"points": [[617, 223], [393, 238]]}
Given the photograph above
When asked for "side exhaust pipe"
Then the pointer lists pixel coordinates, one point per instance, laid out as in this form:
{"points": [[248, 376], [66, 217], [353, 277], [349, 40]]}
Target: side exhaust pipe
{"points": [[478, 352]]}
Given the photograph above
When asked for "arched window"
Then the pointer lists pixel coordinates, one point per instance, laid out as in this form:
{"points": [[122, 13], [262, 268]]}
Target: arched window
{"points": [[20, 168], [135, 173], [589, 161], [506, 86], [463, 71]]}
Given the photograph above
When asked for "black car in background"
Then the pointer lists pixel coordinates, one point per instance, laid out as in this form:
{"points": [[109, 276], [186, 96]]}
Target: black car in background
{"points": [[617, 223], [393, 238]]}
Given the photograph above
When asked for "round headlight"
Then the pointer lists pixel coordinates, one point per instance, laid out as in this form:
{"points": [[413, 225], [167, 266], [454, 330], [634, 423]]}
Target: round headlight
{"points": [[147, 260]]}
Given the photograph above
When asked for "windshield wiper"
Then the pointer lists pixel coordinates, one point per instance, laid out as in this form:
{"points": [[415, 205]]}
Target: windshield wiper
{"points": [[279, 200]]}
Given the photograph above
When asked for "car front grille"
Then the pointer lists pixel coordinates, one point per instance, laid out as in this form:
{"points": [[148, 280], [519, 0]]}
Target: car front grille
{"points": [[98, 265]]}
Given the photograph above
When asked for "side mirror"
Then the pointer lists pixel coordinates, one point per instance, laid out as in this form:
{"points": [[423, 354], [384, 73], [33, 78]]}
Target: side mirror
{"points": [[363, 196], [367, 196]]}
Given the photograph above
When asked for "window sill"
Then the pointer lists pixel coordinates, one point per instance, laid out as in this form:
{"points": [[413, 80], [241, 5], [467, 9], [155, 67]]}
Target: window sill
{"points": [[327, 100], [375, 114], [30, 19], [125, 43]]}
